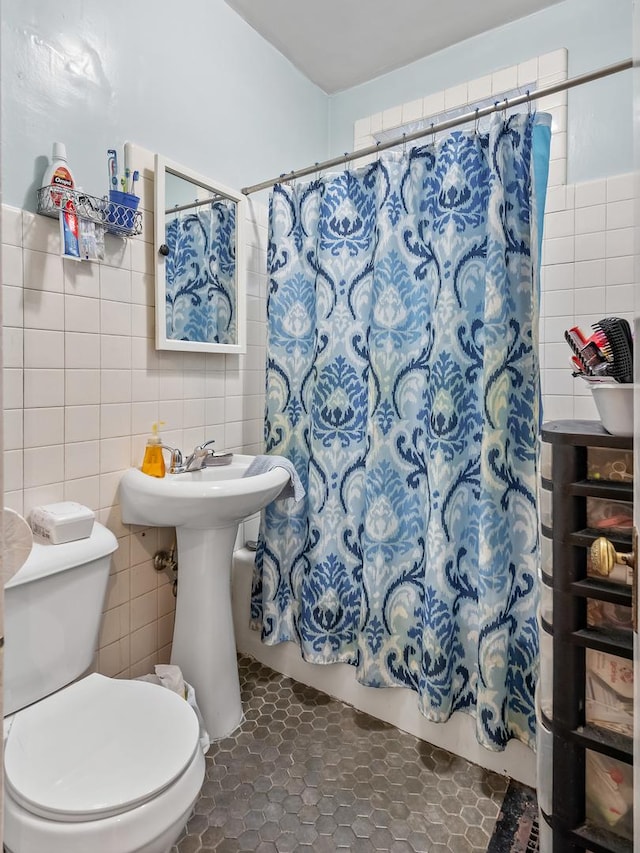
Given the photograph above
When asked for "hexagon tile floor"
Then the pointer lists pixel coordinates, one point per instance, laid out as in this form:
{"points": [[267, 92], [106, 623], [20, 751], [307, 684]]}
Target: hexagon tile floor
{"points": [[307, 773]]}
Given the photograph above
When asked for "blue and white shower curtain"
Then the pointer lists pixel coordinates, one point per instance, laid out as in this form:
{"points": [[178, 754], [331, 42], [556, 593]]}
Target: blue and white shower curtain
{"points": [[200, 273], [403, 383]]}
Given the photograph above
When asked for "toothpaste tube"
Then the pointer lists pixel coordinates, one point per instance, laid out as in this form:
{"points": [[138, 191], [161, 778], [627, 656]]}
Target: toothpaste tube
{"points": [[70, 243]]}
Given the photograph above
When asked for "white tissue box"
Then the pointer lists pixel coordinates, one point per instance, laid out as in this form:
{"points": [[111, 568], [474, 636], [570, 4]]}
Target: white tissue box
{"points": [[62, 522]]}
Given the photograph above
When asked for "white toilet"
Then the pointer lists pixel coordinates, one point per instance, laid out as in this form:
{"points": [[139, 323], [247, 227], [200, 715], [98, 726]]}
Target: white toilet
{"points": [[100, 765]]}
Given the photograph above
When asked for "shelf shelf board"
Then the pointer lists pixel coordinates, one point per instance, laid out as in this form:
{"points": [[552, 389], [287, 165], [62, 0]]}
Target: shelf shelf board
{"points": [[602, 590], [611, 642], [602, 489], [606, 742], [586, 537], [580, 433], [547, 579], [546, 626], [547, 721], [600, 840]]}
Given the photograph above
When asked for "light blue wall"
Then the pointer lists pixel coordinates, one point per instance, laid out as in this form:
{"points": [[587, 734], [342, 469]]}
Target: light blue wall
{"points": [[595, 32], [190, 80], [197, 84]]}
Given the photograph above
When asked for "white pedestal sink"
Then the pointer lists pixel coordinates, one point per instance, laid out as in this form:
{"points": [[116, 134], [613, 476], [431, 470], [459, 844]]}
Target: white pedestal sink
{"points": [[205, 507]]}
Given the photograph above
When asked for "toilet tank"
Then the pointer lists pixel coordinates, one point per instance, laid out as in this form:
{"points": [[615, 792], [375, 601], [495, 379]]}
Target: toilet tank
{"points": [[52, 611]]}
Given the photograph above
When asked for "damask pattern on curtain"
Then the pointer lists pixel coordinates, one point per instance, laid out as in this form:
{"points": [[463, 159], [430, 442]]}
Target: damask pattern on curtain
{"points": [[201, 273], [403, 383]]}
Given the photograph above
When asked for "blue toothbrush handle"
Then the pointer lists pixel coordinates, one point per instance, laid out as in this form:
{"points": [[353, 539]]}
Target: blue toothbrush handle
{"points": [[112, 160]]}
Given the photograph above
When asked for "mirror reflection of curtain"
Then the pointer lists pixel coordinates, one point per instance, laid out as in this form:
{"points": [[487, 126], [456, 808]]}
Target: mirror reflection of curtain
{"points": [[201, 274]]}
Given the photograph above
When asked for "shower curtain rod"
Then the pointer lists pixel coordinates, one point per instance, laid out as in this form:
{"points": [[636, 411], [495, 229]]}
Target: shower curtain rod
{"points": [[624, 65]]}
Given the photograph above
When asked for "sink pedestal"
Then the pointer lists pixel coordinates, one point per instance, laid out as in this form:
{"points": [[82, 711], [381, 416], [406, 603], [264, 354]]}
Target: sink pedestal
{"points": [[204, 645], [205, 507]]}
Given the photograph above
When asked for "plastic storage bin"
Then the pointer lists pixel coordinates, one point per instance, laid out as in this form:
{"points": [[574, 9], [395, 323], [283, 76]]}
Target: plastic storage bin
{"points": [[546, 507], [609, 790], [612, 465], [546, 603], [544, 764], [545, 682], [609, 692], [545, 842], [546, 555], [546, 455], [603, 614], [608, 516], [620, 573]]}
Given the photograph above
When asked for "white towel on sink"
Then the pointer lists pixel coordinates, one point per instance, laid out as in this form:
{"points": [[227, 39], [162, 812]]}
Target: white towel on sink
{"points": [[262, 464]]}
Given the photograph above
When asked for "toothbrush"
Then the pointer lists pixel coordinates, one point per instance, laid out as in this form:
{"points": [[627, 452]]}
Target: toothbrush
{"points": [[134, 179], [125, 180], [112, 160]]}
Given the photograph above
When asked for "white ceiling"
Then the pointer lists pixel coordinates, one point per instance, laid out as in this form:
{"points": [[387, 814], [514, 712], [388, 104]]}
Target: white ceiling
{"points": [[341, 43]]}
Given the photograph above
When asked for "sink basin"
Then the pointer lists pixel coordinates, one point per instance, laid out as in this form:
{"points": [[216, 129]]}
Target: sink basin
{"points": [[212, 497], [205, 507]]}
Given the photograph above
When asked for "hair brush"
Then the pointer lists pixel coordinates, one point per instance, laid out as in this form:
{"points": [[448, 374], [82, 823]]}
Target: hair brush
{"points": [[616, 342]]}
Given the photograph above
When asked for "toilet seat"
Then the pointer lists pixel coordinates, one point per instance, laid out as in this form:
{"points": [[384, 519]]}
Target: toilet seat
{"points": [[98, 748]]}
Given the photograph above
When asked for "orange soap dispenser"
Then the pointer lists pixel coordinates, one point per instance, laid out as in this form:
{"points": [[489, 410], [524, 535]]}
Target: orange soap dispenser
{"points": [[153, 462]]}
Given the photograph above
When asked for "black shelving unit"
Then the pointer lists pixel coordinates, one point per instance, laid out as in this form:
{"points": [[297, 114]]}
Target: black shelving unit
{"points": [[572, 636]]}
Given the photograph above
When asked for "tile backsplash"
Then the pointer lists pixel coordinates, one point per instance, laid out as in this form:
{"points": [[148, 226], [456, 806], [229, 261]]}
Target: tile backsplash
{"points": [[587, 273], [84, 383]]}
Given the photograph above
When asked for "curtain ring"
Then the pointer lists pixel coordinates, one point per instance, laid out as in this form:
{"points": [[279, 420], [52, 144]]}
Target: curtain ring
{"points": [[476, 125], [378, 152], [347, 165], [404, 145], [317, 171], [528, 102], [505, 108], [433, 134]]}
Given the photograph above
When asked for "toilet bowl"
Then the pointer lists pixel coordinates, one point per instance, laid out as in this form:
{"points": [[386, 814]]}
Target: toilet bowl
{"points": [[101, 765]]}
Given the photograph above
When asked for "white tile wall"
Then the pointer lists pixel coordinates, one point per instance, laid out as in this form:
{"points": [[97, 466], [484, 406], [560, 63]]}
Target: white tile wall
{"points": [[598, 283], [83, 384]]}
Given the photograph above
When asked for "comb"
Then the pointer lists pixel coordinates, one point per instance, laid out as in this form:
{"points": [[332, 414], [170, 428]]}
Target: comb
{"points": [[587, 351]]}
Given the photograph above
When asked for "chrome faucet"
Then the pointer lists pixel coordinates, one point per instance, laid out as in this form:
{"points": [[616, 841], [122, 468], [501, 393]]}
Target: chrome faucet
{"points": [[196, 461], [176, 465]]}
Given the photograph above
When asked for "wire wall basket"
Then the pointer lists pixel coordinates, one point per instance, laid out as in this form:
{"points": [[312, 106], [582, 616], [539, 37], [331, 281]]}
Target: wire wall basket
{"points": [[115, 216]]}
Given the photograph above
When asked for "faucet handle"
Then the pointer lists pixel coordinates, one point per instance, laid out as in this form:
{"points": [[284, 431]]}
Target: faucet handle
{"points": [[206, 444], [176, 461]]}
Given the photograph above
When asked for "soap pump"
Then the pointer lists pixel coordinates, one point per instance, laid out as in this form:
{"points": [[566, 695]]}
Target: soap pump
{"points": [[153, 462]]}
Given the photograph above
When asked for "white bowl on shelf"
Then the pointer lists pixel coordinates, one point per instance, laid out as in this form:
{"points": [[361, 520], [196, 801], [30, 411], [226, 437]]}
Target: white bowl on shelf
{"points": [[614, 402]]}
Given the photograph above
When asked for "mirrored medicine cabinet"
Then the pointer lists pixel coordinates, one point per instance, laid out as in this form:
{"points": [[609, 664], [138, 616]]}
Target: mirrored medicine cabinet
{"points": [[200, 269]]}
